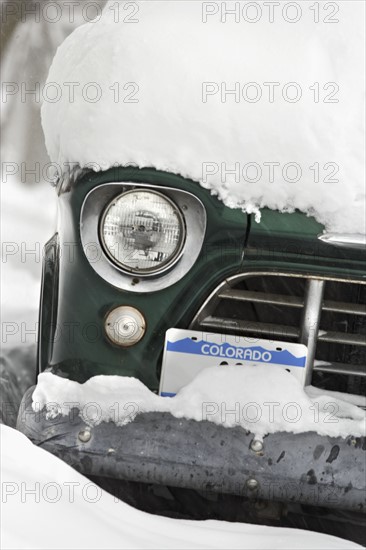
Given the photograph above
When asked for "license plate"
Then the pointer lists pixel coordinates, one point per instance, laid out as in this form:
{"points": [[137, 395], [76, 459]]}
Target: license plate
{"points": [[188, 352]]}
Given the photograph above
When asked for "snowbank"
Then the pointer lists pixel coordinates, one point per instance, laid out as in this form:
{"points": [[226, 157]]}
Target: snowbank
{"points": [[264, 400], [264, 110], [48, 505], [27, 222]]}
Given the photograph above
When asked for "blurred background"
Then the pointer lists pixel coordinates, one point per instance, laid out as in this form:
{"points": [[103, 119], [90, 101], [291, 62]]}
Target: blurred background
{"points": [[31, 32]]}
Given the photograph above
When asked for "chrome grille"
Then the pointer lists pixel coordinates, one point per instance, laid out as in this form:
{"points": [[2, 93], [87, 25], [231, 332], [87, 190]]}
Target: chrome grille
{"points": [[326, 314]]}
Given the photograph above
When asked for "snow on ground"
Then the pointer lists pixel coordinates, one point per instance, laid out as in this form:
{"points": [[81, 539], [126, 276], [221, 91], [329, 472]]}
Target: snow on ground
{"points": [[27, 222], [28, 219], [48, 505], [264, 400], [261, 113]]}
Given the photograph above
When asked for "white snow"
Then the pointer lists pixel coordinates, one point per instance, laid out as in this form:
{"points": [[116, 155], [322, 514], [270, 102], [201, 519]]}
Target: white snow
{"points": [[263, 400], [25, 61], [27, 221], [152, 93], [313, 392], [190, 133], [48, 505]]}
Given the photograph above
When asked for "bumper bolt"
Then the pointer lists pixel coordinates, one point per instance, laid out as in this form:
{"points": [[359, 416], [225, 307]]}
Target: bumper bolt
{"points": [[252, 484], [256, 445], [84, 436]]}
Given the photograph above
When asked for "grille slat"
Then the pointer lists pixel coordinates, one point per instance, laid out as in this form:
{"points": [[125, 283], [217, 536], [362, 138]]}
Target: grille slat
{"points": [[343, 307], [261, 297], [341, 368], [284, 331], [343, 338], [291, 301], [252, 304], [243, 327]]}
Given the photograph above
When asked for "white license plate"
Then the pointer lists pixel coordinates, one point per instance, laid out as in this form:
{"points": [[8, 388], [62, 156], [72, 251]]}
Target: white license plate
{"points": [[188, 352]]}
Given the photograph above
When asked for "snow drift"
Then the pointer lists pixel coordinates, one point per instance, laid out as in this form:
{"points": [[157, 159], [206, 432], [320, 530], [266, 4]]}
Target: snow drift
{"points": [[257, 398], [48, 505], [264, 110]]}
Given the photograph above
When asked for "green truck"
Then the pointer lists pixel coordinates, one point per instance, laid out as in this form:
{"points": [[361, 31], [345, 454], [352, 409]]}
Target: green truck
{"points": [[140, 251]]}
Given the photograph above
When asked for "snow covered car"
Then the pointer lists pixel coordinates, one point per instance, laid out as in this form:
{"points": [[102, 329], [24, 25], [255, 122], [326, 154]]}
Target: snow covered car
{"points": [[138, 252], [201, 162]]}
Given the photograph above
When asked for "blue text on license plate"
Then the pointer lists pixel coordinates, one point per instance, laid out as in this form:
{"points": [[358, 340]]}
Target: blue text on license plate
{"points": [[187, 352]]}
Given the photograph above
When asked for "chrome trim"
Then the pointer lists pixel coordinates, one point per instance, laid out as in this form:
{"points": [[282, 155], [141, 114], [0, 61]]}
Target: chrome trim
{"points": [[347, 240], [289, 301], [340, 368], [240, 326], [261, 297], [240, 276], [227, 285], [195, 220], [282, 331], [309, 325], [205, 316]]}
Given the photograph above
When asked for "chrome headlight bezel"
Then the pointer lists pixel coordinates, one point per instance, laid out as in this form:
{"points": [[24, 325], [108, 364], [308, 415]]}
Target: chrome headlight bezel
{"points": [[195, 220], [164, 265]]}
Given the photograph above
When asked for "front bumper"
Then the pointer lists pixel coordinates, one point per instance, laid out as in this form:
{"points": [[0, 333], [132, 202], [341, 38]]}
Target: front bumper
{"points": [[161, 449]]}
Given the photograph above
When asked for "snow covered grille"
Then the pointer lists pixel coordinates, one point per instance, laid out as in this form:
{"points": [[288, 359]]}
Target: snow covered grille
{"points": [[328, 315]]}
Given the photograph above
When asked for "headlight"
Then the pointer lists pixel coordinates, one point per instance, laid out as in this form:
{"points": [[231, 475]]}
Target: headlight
{"points": [[143, 232]]}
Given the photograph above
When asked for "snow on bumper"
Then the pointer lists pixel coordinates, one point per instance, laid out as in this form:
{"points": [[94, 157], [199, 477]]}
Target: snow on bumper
{"points": [[159, 448]]}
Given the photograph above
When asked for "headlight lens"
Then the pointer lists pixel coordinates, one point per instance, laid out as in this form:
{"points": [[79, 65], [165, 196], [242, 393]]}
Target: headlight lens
{"points": [[143, 232]]}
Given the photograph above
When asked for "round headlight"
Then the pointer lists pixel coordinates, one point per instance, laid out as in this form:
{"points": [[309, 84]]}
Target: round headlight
{"points": [[143, 232]]}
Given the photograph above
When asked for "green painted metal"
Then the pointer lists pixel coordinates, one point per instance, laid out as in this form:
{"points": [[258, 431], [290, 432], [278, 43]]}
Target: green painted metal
{"points": [[80, 348], [76, 299], [289, 242]]}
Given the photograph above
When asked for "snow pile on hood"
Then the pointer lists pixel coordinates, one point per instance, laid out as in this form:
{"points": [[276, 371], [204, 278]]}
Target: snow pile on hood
{"points": [[48, 505], [263, 400], [263, 113]]}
